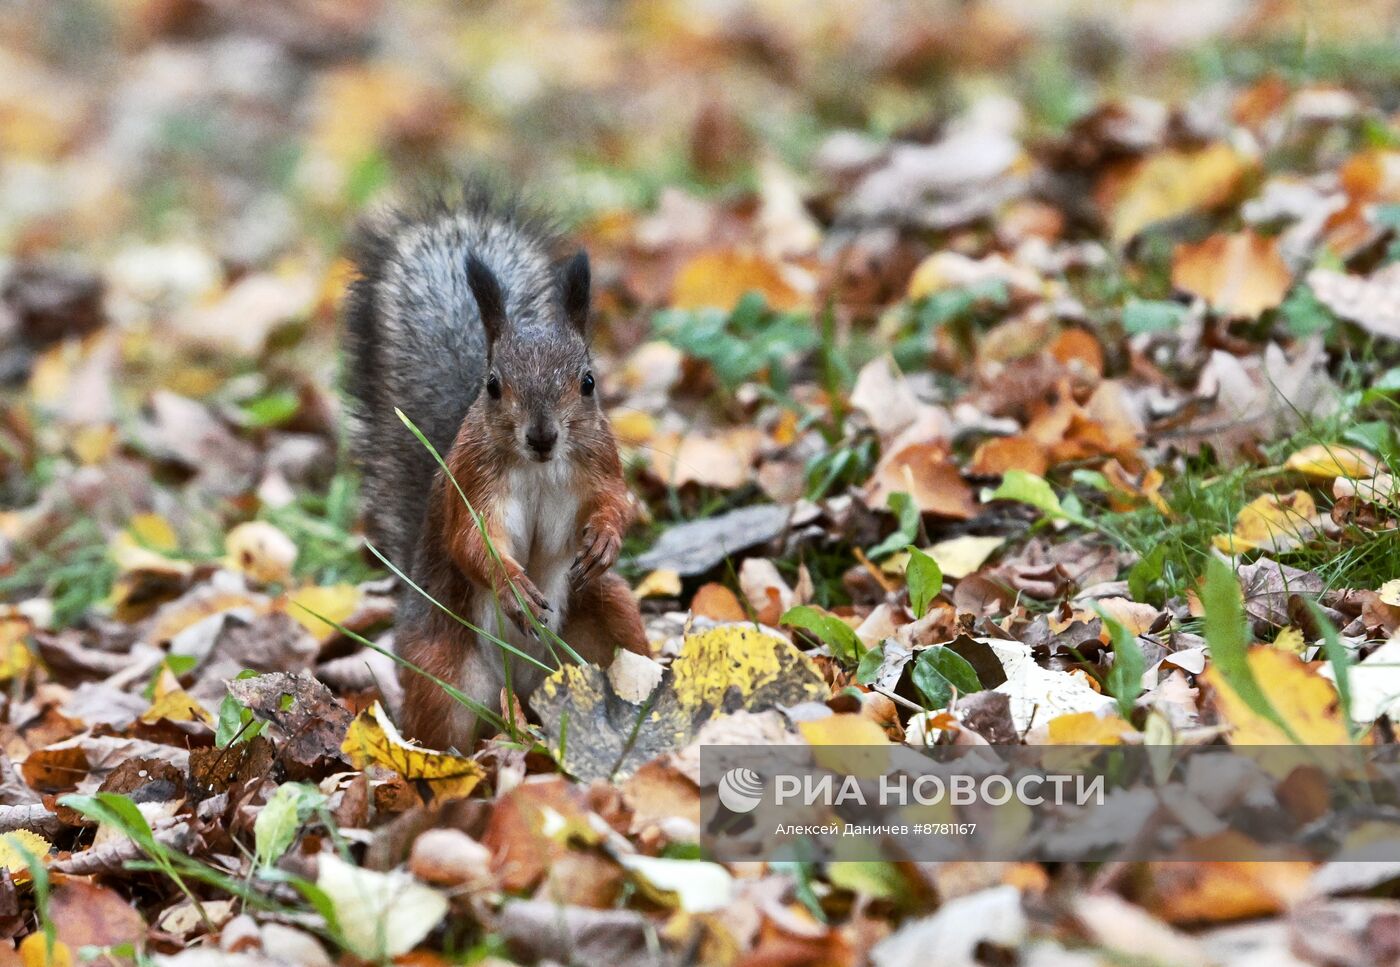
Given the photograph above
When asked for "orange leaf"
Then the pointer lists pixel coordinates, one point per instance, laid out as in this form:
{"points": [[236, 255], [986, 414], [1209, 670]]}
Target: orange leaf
{"points": [[721, 278], [926, 473], [1240, 275], [717, 602]]}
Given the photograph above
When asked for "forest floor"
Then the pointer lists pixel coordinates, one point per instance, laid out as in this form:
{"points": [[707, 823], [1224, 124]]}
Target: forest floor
{"points": [[984, 376]]}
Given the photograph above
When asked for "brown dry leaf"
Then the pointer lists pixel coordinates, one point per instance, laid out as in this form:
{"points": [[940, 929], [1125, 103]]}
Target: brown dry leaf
{"points": [[1305, 700], [309, 719], [1170, 184], [88, 915], [999, 454], [1239, 275], [723, 461], [1079, 350], [927, 473], [721, 278], [718, 602], [1218, 892]]}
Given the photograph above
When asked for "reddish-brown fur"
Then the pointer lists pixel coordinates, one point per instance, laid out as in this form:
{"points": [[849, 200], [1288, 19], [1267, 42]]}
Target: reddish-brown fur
{"points": [[460, 571]]}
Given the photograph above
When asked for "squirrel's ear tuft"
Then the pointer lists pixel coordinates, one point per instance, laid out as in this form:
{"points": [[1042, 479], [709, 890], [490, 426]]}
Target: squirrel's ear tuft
{"points": [[576, 284], [490, 303]]}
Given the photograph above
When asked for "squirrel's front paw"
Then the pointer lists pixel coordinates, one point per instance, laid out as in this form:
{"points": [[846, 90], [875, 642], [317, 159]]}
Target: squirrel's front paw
{"points": [[600, 550], [534, 607]]}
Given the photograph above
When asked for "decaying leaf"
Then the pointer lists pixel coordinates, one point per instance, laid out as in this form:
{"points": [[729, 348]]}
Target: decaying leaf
{"points": [[381, 915], [729, 668], [1238, 275], [372, 738]]}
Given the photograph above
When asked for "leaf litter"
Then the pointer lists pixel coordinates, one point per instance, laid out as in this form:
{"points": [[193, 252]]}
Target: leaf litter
{"points": [[963, 402]]}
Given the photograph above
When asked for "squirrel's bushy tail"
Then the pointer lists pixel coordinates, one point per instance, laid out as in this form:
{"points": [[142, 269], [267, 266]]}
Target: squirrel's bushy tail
{"points": [[415, 342]]}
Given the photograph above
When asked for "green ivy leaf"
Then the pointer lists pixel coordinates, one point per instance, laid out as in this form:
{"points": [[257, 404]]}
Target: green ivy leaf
{"points": [[833, 632], [1151, 315], [925, 579], [870, 663], [907, 512], [940, 672], [1027, 488], [278, 821], [1124, 679]]}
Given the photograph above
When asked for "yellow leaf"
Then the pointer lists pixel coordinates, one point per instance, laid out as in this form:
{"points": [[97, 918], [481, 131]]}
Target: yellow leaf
{"points": [[261, 551], [659, 584], [145, 545], [721, 278], [34, 952], [956, 557], [13, 860], [1240, 275], [94, 443], [1390, 593], [373, 739], [633, 427], [1328, 460], [336, 602], [836, 735], [849, 728], [1174, 183], [154, 532], [174, 704], [1301, 697], [1290, 640], [1272, 520], [15, 657], [1086, 728]]}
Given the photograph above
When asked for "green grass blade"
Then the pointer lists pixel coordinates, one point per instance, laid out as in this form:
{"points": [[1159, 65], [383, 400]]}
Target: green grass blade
{"points": [[457, 694], [1227, 634]]}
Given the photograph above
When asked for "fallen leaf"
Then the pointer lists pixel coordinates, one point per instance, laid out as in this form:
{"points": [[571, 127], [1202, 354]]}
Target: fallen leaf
{"points": [[373, 739], [717, 602], [1239, 275], [1277, 522], [721, 278], [661, 583], [723, 670], [380, 915], [1326, 461], [926, 472], [336, 602], [1172, 183], [1304, 700], [696, 887]]}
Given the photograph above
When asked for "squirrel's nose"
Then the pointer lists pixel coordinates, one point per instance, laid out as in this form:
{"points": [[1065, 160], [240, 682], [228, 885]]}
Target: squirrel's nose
{"points": [[542, 439]]}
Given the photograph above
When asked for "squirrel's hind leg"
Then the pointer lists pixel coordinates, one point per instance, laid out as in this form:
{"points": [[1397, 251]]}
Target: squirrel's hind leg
{"points": [[603, 616], [430, 715]]}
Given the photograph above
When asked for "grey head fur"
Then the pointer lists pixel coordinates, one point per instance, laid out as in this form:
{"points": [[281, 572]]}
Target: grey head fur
{"points": [[416, 339]]}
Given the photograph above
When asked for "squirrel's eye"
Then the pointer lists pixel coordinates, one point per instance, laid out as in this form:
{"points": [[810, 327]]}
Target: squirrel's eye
{"points": [[585, 385], [493, 386]]}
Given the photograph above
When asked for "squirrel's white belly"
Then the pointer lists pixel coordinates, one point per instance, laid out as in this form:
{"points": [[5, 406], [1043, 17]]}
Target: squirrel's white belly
{"points": [[539, 514]]}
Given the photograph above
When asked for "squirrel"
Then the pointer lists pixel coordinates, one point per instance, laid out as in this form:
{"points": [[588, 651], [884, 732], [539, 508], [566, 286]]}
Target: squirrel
{"points": [[464, 317]]}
